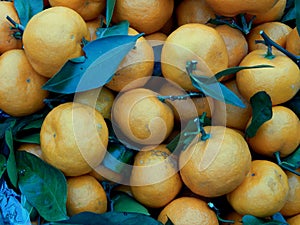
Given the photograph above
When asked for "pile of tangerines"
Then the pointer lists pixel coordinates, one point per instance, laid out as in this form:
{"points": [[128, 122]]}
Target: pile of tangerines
{"points": [[218, 162]]}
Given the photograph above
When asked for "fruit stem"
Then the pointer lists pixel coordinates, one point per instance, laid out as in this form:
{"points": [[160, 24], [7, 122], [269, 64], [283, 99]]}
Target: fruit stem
{"points": [[269, 42], [204, 135], [285, 165], [179, 97], [217, 211], [15, 24]]}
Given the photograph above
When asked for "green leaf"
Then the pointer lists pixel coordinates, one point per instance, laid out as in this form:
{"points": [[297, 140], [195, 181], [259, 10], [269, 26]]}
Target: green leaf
{"points": [[279, 218], [297, 8], [252, 220], [118, 29], [103, 57], [236, 69], [261, 112], [27, 9], [111, 218], [294, 104], [3, 164], [11, 161], [124, 203], [293, 159], [43, 185], [169, 222], [217, 91], [117, 157], [110, 5], [31, 138]]}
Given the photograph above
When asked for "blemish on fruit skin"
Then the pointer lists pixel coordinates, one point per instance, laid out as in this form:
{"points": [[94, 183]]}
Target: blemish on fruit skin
{"points": [[28, 80], [54, 135], [252, 174], [141, 161]]}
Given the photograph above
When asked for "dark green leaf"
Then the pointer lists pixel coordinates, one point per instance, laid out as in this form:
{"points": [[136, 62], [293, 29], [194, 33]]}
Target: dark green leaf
{"points": [[43, 185], [110, 5], [118, 29], [290, 15], [279, 218], [261, 112], [3, 164], [103, 57], [169, 222], [294, 158], [27, 9], [111, 218], [217, 91], [31, 138], [236, 69], [117, 157], [252, 220], [297, 8], [11, 161], [124, 203]]}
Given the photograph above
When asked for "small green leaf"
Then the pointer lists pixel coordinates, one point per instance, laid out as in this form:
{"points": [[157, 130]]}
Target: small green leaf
{"points": [[217, 91], [110, 5], [293, 159], [236, 69], [279, 218], [297, 8], [169, 222], [261, 112], [111, 218], [44, 186], [31, 138], [3, 164], [117, 157], [252, 220], [118, 29], [124, 203], [103, 57], [27, 9], [11, 161]]}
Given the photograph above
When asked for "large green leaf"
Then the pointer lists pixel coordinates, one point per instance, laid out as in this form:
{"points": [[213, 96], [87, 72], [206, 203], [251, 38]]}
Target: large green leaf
{"points": [[118, 29], [110, 5], [3, 164], [111, 218], [44, 186], [11, 161], [124, 203], [252, 220], [102, 58], [217, 91], [27, 9], [261, 112]]}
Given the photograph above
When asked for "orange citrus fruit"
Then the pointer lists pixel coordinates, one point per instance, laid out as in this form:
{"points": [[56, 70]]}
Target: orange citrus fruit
{"points": [[142, 117], [215, 166], [295, 220], [53, 36], [230, 115], [273, 14], [281, 82], [7, 39], [34, 149], [189, 211], [292, 206], [135, 68], [87, 9], [234, 7], [263, 192], [236, 44], [99, 98], [193, 11], [293, 42], [197, 42], [74, 138], [154, 179], [277, 31], [21, 91], [85, 194], [144, 16], [279, 134]]}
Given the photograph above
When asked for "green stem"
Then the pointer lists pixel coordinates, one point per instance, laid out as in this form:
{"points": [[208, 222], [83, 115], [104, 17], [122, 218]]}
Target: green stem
{"points": [[179, 97], [217, 211], [269, 42], [15, 24], [286, 166]]}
